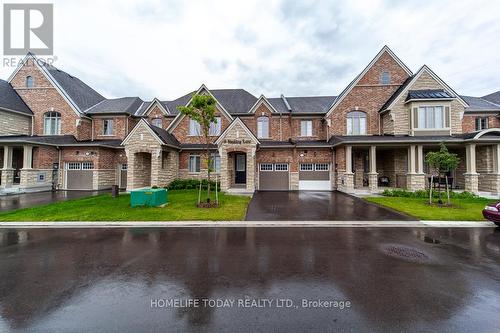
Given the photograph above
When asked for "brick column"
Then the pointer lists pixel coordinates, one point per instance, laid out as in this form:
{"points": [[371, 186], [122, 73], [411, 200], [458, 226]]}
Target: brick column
{"points": [[373, 174], [471, 176], [250, 169], [346, 180]]}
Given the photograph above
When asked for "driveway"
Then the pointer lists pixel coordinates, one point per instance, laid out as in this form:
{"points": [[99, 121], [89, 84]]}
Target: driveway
{"points": [[27, 200], [127, 280], [308, 205]]}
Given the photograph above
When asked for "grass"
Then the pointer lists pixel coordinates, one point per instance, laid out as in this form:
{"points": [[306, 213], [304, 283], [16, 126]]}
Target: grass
{"points": [[182, 206], [461, 210]]}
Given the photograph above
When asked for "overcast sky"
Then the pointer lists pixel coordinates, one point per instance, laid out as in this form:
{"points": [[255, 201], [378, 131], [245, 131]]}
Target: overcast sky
{"points": [[164, 49]]}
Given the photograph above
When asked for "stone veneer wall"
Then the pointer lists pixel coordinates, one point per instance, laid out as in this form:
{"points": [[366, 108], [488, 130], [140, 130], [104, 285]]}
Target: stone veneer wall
{"points": [[12, 123]]}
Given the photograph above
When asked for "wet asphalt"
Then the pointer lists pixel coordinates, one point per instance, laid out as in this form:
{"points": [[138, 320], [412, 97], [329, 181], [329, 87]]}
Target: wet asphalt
{"points": [[317, 206], [27, 200], [128, 280]]}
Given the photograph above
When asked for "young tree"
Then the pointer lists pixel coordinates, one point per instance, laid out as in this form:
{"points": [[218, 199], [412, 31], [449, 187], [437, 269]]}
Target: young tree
{"points": [[202, 110], [443, 161]]}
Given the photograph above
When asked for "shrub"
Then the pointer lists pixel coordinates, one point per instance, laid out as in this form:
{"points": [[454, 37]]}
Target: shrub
{"points": [[422, 194], [154, 187], [190, 184]]}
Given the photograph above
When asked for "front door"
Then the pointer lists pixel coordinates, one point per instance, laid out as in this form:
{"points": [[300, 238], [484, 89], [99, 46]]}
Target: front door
{"points": [[240, 169], [17, 164]]}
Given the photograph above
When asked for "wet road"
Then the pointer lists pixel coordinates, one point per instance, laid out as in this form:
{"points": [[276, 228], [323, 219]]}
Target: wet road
{"points": [[310, 205], [26, 200], [122, 280]]}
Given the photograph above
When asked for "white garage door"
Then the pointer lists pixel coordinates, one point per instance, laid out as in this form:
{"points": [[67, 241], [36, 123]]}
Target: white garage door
{"points": [[314, 177]]}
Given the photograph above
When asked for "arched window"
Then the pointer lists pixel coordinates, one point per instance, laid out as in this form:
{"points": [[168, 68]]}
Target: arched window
{"points": [[29, 82], [356, 123], [263, 127], [385, 77], [52, 123]]}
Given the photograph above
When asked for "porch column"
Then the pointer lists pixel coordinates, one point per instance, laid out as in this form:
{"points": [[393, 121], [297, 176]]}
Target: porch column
{"points": [[373, 175], [471, 176], [27, 166], [250, 169], [224, 176], [7, 171], [420, 159], [496, 158], [347, 179], [415, 180]]}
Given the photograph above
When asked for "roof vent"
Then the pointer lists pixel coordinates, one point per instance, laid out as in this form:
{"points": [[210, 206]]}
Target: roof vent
{"points": [[286, 103]]}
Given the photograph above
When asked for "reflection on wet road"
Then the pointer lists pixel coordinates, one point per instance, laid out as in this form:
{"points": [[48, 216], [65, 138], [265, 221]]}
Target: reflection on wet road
{"points": [[403, 279]]}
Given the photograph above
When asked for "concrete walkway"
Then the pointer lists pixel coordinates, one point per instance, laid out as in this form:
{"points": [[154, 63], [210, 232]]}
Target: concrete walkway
{"points": [[280, 224]]}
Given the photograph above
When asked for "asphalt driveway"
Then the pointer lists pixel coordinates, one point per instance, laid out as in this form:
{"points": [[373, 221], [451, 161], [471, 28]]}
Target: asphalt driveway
{"points": [[309, 205], [28, 200]]}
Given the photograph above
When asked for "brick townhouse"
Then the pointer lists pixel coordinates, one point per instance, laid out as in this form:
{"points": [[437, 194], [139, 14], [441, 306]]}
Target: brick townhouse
{"points": [[57, 132]]}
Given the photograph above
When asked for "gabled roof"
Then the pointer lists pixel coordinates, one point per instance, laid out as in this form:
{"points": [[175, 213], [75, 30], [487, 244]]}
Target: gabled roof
{"points": [[163, 108], [353, 83], [237, 121], [493, 97], [235, 101], [480, 104], [128, 105], [83, 95], [161, 135], [10, 100], [403, 89], [262, 100]]}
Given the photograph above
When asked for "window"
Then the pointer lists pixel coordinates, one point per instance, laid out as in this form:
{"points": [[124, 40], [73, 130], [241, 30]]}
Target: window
{"points": [[321, 167], [157, 122], [52, 123], [281, 167], [481, 123], [266, 167], [306, 167], [74, 166], [215, 127], [194, 163], [164, 159], [263, 127], [194, 128], [29, 82], [87, 165], [356, 123], [385, 77], [215, 162], [430, 117], [107, 127], [124, 167], [306, 128]]}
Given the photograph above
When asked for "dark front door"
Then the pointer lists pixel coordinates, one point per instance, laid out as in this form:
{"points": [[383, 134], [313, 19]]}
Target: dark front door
{"points": [[17, 164], [240, 168]]}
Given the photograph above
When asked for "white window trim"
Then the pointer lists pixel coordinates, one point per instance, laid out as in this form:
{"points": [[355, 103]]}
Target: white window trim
{"points": [[351, 118], [443, 108], [189, 128], [112, 127], [57, 118], [189, 163], [281, 164], [259, 134], [218, 131], [327, 167], [304, 169], [308, 122], [262, 164]]}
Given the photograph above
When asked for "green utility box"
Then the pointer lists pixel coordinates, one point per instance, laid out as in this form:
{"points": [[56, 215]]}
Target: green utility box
{"points": [[148, 197]]}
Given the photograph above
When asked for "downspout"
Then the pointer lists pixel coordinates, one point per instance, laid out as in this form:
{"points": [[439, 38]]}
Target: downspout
{"points": [[59, 172]]}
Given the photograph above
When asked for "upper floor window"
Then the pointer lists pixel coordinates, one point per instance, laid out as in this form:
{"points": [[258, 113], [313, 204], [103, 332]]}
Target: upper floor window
{"points": [[481, 123], [306, 128], [29, 82], [156, 122], [52, 123], [263, 127], [385, 77], [215, 127], [430, 117], [107, 127], [356, 123], [194, 128]]}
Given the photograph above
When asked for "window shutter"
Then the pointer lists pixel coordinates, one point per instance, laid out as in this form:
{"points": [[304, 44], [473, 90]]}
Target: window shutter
{"points": [[447, 117], [415, 118]]}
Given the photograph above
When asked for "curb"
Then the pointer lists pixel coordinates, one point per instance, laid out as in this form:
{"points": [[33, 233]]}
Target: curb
{"points": [[276, 224]]}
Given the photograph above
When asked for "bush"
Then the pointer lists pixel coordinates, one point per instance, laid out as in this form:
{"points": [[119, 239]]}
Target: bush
{"points": [[191, 184], [423, 194]]}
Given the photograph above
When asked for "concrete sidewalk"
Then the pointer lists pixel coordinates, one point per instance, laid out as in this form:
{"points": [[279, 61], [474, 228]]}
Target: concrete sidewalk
{"points": [[156, 224]]}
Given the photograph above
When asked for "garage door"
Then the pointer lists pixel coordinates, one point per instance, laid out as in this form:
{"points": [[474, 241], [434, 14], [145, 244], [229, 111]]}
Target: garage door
{"points": [[314, 177], [274, 177], [79, 175]]}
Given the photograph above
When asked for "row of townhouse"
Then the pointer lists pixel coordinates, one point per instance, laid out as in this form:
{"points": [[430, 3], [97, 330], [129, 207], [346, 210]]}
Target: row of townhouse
{"points": [[57, 132]]}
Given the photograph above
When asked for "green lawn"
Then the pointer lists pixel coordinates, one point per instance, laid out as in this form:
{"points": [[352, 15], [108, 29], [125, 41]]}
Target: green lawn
{"points": [[182, 206], [462, 210]]}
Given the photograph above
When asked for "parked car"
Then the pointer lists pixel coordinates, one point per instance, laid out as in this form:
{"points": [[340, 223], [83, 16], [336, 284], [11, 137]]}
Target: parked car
{"points": [[492, 212]]}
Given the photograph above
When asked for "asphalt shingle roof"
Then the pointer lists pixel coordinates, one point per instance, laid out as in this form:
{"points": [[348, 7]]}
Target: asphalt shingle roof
{"points": [[10, 100], [480, 104], [494, 97], [165, 136], [83, 95], [234, 100], [127, 105], [59, 140], [304, 104]]}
